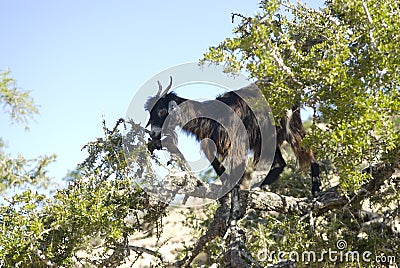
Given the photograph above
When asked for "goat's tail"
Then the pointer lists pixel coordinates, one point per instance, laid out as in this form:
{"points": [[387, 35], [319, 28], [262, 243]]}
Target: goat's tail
{"points": [[295, 133]]}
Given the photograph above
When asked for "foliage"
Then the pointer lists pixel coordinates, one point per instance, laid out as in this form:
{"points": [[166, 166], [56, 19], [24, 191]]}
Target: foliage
{"points": [[372, 229], [341, 61], [88, 222], [19, 171], [18, 104]]}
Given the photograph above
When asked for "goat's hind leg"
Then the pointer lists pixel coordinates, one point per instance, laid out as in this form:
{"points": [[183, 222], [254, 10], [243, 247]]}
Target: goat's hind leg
{"points": [[315, 180]]}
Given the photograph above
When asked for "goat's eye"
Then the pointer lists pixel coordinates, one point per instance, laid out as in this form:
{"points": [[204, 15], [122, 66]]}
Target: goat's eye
{"points": [[162, 113]]}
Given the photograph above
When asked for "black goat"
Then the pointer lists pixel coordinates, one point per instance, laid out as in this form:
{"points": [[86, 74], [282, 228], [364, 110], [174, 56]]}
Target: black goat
{"points": [[290, 129]]}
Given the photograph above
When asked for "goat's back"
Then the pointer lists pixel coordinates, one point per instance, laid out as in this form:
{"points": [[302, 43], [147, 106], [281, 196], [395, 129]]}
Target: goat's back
{"points": [[235, 109]]}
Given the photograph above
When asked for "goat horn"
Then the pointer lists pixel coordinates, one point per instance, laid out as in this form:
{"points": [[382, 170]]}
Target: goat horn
{"points": [[168, 87], [159, 88]]}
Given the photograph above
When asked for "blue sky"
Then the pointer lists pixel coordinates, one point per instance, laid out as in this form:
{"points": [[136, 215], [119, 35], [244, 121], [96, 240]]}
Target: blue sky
{"points": [[85, 59]]}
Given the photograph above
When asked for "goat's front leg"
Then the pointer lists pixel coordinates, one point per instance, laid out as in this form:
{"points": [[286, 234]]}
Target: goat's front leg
{"points": [[218, 167], [276, 169]]}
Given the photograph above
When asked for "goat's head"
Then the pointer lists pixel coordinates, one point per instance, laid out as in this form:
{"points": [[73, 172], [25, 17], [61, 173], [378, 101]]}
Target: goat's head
{"points": [[159, 107]]}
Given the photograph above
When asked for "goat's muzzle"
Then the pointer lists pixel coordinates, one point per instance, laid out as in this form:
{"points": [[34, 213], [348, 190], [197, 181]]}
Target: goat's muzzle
{"points": [[154, 144], [155, 135]]}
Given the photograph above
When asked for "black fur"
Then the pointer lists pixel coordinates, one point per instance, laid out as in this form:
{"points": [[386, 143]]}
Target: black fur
{"points": [[290, 130]]}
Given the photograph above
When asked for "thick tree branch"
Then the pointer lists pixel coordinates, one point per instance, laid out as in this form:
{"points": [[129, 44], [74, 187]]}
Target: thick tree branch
{"points": [[269, 201], [325, 201], [235, 237], [235, 204]]}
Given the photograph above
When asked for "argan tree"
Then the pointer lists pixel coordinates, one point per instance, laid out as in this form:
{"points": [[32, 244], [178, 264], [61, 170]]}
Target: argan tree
{"points": [[341, 62], [19, 107]]}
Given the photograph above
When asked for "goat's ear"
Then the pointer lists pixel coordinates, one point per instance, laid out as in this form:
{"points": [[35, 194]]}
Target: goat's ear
{"points": [[172, 105]]}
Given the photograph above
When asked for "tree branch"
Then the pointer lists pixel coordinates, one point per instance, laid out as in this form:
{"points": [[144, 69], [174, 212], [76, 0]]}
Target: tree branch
{"points": [[325, 201], [147, 251], [275, 55], [370, 21]]}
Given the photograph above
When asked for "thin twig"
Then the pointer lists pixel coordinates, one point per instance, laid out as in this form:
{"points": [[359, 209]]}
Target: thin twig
{"points": [[275, 55], [147, 251], [370, 21]]}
